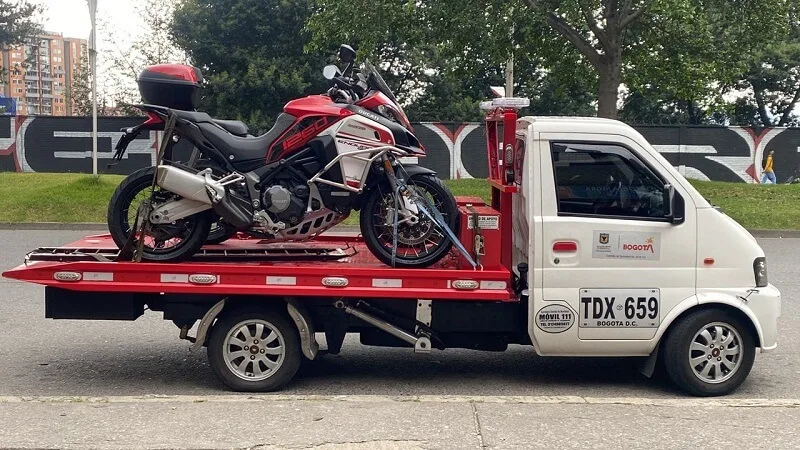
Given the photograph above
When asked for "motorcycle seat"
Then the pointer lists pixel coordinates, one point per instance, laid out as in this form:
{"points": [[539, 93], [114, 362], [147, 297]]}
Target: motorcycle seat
{"points": [[233, 127], [247, 148]]}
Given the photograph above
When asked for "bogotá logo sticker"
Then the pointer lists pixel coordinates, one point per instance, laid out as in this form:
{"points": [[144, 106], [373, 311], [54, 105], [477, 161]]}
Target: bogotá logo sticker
{"points": [[555, 319]]}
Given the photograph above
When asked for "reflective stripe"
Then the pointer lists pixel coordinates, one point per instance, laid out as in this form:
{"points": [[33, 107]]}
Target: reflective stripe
{"points": [[284, 281], [174, 278], [493, 285], [387, 283], [98, 276]]}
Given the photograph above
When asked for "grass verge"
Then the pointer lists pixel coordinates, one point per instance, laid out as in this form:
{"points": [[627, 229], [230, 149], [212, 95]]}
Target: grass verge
{"points": [[55, 197], [70, 198], [756, 206]]}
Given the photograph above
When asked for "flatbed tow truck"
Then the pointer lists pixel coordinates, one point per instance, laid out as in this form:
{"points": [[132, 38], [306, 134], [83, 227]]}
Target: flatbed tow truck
{"points": [[592, 245]]}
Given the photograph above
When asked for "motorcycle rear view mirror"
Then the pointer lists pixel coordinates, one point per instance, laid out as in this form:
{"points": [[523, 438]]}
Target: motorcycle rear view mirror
{"points": [[330, 72], [347, 54]]}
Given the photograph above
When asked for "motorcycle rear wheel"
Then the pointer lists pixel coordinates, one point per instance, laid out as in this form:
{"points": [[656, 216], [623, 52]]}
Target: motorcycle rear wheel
{"points": [[177, 241], [418, 245]]}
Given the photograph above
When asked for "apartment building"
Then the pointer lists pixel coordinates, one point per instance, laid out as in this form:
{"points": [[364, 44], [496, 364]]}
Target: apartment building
{"points": [[42, 71]]}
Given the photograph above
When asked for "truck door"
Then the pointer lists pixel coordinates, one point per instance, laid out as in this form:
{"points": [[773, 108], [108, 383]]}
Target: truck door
{"points": [[612, 263]]}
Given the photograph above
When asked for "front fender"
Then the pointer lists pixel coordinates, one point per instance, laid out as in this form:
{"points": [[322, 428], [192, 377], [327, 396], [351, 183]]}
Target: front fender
{"points": [[709, 298], [415, 169]]}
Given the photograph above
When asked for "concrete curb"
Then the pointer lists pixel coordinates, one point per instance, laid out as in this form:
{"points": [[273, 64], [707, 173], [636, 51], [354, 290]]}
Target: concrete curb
{"points": [[776, 234], [773, 234]]}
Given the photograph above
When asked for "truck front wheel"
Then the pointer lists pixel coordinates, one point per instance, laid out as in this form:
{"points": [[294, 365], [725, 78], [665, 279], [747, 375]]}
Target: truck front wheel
{"points": [[254, 350], [709, 353]]}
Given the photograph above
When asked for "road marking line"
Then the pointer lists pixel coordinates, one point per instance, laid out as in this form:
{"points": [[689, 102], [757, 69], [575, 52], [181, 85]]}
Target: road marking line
{"points": [[511, 399]]}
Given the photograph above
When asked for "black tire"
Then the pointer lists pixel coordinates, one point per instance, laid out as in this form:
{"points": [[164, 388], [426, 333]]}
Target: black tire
{"points": [[193, 230], [282, 374], [677, 349], [370, 228], [220, 232]]}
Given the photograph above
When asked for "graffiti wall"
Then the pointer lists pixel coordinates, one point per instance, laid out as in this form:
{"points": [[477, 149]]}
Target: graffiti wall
{"points": [[63, 144]]}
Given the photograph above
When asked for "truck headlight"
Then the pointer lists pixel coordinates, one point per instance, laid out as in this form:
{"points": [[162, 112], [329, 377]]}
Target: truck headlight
{"points": [[760, 271]]}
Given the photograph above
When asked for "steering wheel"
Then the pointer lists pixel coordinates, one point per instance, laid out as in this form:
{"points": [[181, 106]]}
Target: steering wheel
{"points": [[614, 190]]}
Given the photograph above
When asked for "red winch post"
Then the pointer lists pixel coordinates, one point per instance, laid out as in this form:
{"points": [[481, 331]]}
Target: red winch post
{"points": [[501, 160]]}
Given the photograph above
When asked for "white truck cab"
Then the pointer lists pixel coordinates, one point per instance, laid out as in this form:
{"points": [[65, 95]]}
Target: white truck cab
{"points": [[624, 254]]}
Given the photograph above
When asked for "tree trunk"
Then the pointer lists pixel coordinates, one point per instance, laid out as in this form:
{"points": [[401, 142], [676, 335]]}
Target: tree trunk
{"points": [[762, 108], [696, 113], [789, 108], [608, 89]]}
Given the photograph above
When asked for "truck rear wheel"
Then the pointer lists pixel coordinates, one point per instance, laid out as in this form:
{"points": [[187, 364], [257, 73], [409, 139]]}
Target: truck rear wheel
{"points": [[709, 353], [254, 350]]}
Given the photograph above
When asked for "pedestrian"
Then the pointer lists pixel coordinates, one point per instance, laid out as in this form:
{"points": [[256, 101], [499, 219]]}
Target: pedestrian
{"points": [[769, 173]]}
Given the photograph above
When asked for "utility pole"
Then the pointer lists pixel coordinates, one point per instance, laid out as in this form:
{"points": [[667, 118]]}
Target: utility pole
{"points": [[510, 76], [93, 63], [510, 61]]}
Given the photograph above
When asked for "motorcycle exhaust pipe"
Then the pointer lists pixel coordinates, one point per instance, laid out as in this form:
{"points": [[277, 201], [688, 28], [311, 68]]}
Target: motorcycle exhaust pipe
{"points": [[186, 184], [234, 210], [229, 206]]}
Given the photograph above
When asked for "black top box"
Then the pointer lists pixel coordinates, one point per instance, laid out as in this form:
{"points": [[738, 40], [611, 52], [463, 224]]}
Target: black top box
{"points": [[175, 86]]}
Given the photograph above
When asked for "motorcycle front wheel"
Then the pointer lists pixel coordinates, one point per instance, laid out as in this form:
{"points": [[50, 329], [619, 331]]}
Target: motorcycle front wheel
{"points": [[421, 242], [172, 242]]}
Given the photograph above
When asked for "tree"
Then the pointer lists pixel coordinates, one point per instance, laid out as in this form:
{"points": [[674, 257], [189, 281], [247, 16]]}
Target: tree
{"points": [[19, 21], [79, 94], [448, 53], [684, 44], [151, 45], [606, 22], [773, 75], [251, 55]]}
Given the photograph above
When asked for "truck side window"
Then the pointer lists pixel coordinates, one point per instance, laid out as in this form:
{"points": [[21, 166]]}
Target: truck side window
{"points": [[606, 180]]}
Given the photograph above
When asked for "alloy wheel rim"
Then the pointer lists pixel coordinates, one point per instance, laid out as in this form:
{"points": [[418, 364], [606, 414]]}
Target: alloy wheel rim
{"points": [[414, 241], [254, 350], [715, 353], [162, 238]]}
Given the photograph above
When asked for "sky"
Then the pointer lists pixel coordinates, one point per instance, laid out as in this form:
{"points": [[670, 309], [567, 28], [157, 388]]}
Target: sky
{"points": [[71, 17]]}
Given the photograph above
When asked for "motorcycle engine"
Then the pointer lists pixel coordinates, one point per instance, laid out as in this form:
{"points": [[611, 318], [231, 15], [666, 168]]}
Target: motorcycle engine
{"points": [[287, 204]]}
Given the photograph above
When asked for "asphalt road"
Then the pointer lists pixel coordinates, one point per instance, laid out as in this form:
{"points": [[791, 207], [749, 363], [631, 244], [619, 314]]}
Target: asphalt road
{"points": [[495, 395]]}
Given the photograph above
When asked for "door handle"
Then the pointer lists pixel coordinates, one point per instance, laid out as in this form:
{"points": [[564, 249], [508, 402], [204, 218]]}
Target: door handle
{"points": [[565, 247]]}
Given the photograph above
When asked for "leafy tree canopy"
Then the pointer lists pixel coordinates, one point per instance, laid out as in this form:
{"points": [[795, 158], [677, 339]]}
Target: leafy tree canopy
{"points": [[251, 54]]}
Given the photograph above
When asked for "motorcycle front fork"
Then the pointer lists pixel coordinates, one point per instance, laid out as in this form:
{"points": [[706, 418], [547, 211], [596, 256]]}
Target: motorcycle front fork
{"points": [[405, 200]]}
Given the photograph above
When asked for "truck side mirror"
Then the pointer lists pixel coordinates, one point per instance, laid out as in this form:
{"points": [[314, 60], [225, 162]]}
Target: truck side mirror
{"points": [[347, 54], [673, 202]]}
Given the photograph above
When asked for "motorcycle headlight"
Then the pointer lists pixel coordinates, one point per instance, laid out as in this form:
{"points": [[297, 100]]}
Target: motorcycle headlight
{"points": [[387, 112], [760, 271]]}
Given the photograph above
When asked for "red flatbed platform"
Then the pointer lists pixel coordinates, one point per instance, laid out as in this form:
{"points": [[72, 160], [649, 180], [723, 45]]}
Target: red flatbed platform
{"points": [[335, 266]]}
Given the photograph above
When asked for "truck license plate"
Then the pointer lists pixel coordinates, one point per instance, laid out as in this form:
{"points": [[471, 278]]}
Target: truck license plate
{"points": [[619, 308]]}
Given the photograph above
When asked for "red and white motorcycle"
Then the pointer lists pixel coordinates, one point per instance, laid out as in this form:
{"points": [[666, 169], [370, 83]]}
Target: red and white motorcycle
{"points": [[326, 156]]}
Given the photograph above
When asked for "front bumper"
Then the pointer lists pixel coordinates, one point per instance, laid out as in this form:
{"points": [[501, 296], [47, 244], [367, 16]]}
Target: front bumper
{"points": [[765, 304]]}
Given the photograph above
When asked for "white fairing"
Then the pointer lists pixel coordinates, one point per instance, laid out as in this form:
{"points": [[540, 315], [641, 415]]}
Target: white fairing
{"points": [[353, 135], [581, 266]]}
